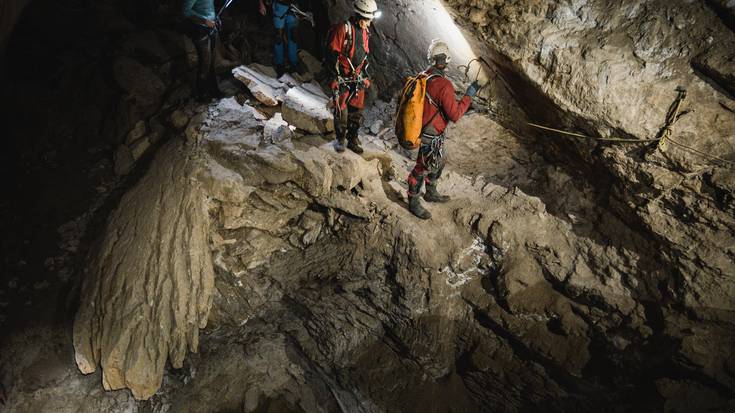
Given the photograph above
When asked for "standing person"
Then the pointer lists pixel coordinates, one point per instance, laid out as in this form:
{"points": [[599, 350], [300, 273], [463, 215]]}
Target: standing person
{"points": [[203, 30], [285, 23], [347, 59], [440, 107]]}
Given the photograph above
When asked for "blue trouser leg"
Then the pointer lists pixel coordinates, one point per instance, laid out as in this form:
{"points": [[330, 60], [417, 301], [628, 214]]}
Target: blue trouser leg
{"points": [[293, 48], [280, 15]]}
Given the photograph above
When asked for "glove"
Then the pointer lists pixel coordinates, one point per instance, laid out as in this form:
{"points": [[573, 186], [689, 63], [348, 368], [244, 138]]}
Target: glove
{"points": [[334, 85], [472, 89]]}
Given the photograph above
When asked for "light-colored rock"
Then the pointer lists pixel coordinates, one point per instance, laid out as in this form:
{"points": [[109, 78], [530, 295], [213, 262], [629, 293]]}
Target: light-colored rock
{"points": [[307, 111], [267, 90], [139, 147], [157, 287], [376, 126], [138, 131], [289, 80], [276, 129]]}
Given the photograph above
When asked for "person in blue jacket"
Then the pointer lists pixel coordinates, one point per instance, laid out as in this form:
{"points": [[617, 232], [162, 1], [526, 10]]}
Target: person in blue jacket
{"points": [[285, 23], [203, 29]]}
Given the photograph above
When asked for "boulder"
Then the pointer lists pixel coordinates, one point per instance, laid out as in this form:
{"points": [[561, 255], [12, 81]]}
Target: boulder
{"points": [[311, 63], [266, 89], [307, 111]]}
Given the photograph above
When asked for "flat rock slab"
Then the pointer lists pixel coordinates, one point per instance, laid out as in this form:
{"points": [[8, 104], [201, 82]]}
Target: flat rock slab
{"points": [[234, 124], [307, 110], [266, 89]]}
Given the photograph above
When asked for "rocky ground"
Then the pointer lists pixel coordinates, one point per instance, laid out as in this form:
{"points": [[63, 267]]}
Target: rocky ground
{"points": [[249, 267]]}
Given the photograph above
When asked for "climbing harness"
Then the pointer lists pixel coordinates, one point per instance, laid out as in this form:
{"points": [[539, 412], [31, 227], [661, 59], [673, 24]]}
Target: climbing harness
{"points": [[354, 83], [662, 138], [433, 158]]}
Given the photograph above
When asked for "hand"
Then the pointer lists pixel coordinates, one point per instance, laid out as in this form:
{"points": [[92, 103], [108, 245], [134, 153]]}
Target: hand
{"points": [[334, 85], [366, 83], [210, 23], [473, 89], [261, 9]]}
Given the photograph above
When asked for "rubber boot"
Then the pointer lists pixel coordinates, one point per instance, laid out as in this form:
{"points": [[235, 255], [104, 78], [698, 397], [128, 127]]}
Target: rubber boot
{"points": [[414, 205], [354, 144], [339, 145], [280, 70], [432, 195]]}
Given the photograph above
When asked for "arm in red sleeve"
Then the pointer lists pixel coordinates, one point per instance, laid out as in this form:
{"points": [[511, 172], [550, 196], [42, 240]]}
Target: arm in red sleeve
{"points": [[336, 41], [452, 108]]}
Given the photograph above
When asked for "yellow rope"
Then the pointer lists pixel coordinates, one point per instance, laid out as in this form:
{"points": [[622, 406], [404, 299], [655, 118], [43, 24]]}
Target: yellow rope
{"points": [[700, 153], [579, 135]]}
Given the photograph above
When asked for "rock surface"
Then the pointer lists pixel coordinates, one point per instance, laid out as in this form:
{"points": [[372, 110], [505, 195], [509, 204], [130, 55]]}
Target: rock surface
{"points": [[320, 269], [565, 274], [307, 110], [150, 287]]}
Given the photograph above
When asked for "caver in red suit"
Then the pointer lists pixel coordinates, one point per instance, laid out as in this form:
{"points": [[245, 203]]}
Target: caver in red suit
{"points": [[348, 50]]}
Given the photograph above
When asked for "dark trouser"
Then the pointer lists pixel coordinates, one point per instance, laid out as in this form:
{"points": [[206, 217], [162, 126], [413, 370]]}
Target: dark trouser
{"points": [[347, 123], [205, 40], [429, 165]]}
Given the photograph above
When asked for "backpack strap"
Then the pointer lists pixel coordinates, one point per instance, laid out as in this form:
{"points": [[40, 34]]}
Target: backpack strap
{"points": [[439, 110], [347, 46]]}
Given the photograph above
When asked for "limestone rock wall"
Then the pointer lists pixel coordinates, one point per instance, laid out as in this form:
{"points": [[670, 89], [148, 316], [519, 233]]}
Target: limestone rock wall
{"points": [[612, 69], [148, 289]]}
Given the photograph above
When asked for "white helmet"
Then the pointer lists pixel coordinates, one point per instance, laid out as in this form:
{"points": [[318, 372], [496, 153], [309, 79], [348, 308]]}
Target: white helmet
{"points": [[367, 9], [438, 48]]}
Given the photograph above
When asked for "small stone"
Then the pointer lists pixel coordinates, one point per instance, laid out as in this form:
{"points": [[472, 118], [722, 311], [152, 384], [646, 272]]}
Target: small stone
{"points": [[276, 129], [136, 133], [139, 148], [179, 119], [307, 111], [376, 126]]}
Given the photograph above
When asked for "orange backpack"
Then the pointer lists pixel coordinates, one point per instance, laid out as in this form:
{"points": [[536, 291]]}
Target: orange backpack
{"points": [[410, 113]]}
